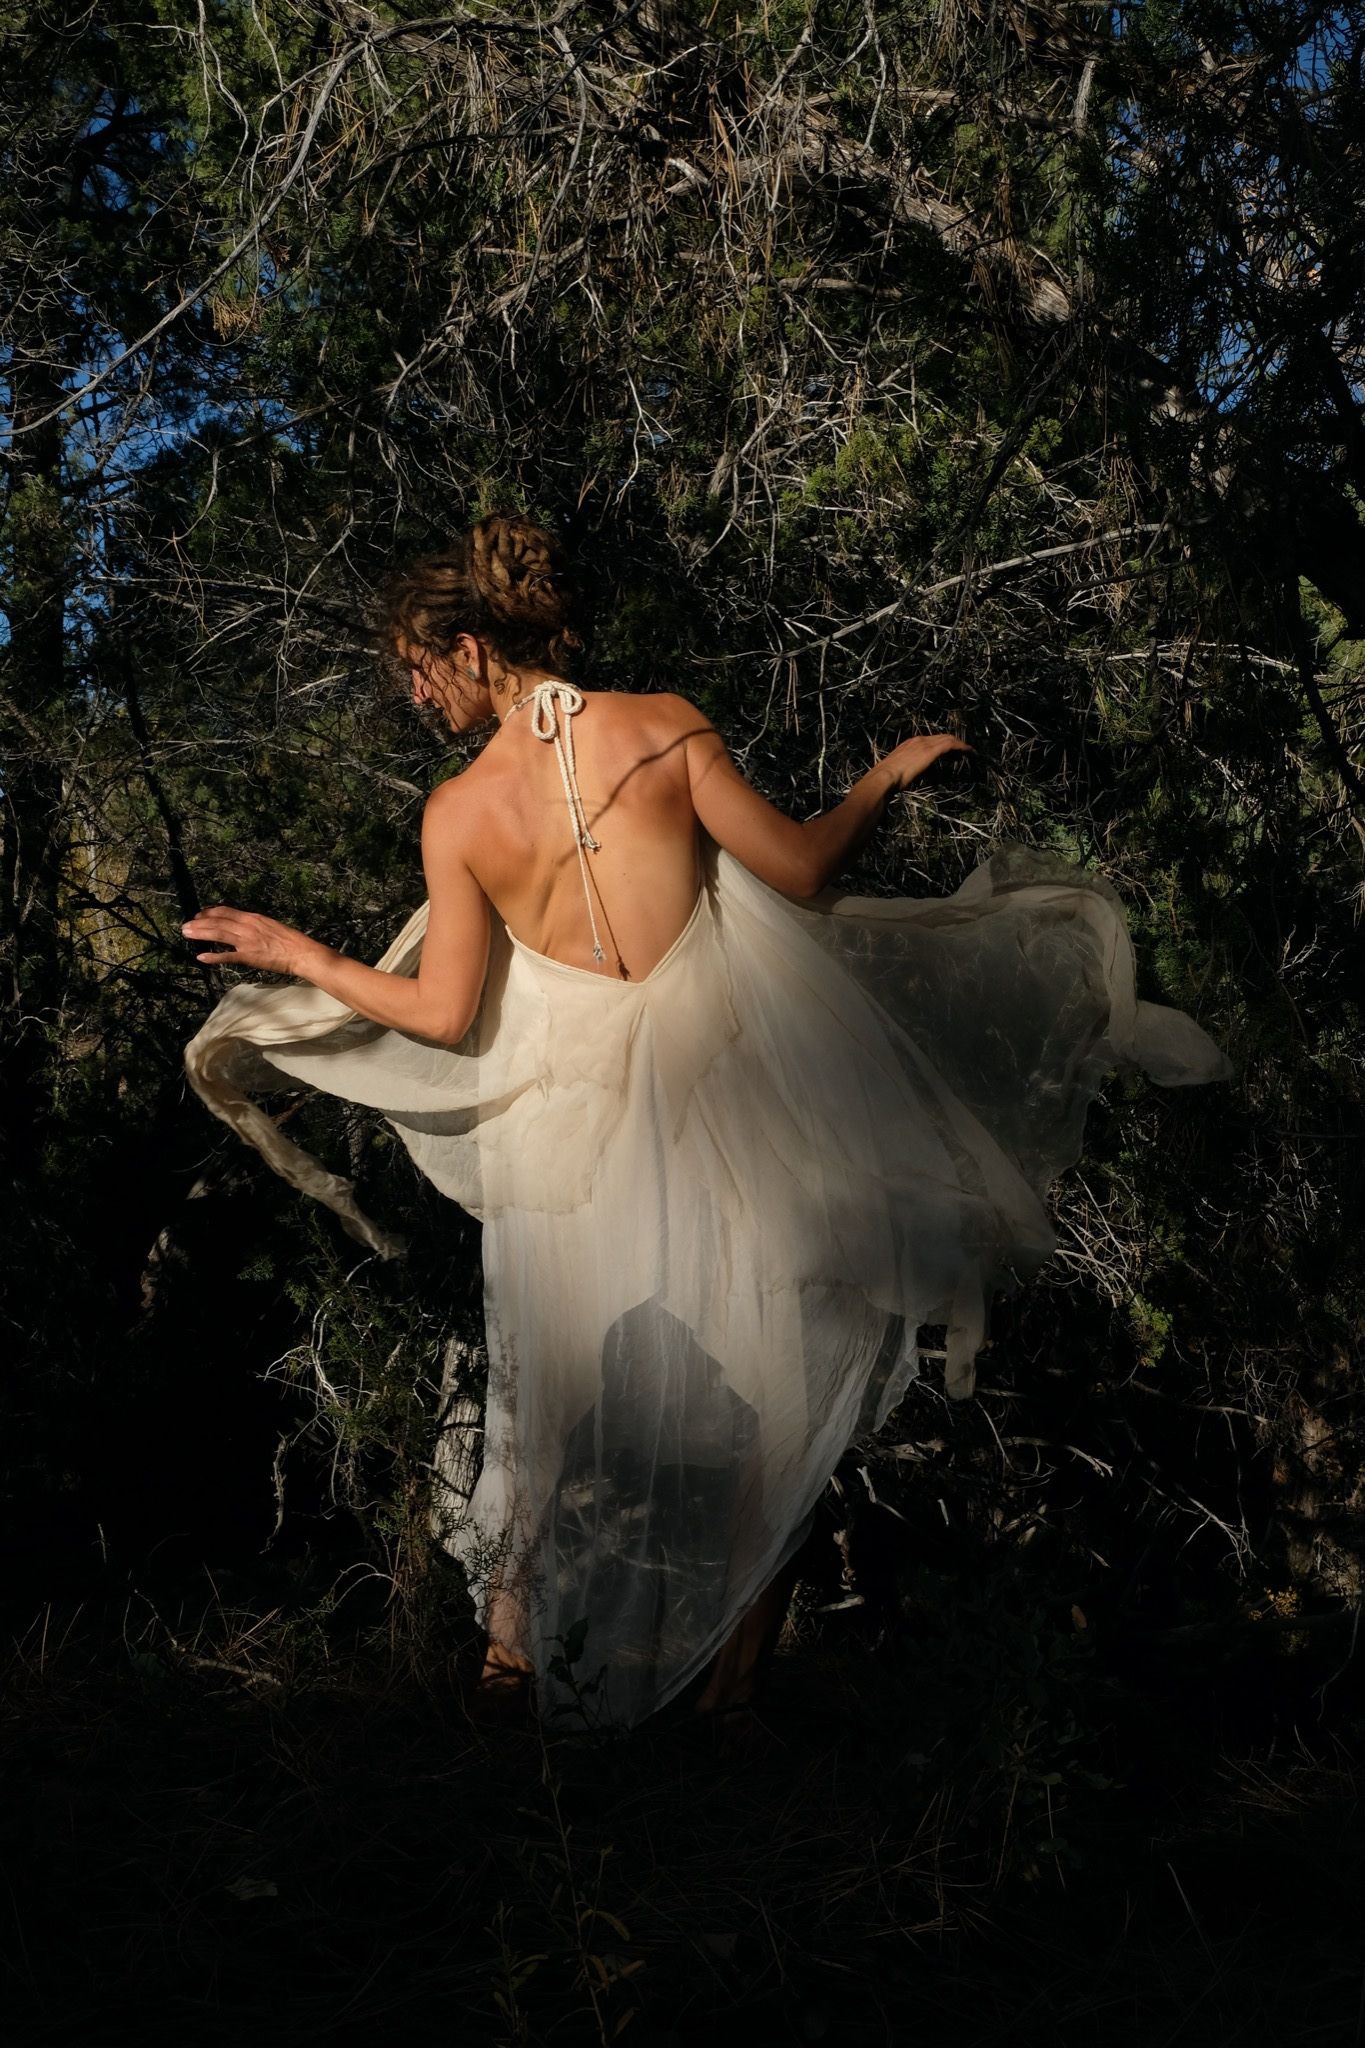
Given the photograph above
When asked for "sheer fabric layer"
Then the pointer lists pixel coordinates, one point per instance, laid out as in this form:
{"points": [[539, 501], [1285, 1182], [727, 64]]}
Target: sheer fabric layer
{"points": [[719, 1204]]}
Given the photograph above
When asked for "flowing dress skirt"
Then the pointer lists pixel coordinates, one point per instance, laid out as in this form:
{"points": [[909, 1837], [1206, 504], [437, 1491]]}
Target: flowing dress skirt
{"points": [[719, 1204]]}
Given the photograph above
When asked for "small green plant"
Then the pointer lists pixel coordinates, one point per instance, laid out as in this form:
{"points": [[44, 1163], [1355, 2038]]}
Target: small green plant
{"points": [[563, 1670]]}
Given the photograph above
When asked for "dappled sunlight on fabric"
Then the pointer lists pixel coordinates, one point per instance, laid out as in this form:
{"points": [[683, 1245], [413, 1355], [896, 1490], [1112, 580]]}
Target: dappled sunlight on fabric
{"points": [[719, 1205]]}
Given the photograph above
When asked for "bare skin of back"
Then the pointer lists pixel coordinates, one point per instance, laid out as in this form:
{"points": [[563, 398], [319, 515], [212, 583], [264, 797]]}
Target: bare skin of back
{"points": [[516, 835], [498, 840]]}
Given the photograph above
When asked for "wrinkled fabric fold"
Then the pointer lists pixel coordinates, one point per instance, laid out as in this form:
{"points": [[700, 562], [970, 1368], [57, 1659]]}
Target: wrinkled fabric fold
{"points": [[719, 1205]]}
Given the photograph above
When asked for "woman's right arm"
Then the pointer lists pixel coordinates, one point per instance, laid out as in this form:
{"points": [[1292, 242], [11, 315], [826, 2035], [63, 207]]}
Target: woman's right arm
{"points": [[798, 858]]}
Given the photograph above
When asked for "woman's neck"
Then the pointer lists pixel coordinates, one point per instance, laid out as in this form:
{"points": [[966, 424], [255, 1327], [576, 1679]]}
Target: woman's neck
{"points": [[518, 687]]}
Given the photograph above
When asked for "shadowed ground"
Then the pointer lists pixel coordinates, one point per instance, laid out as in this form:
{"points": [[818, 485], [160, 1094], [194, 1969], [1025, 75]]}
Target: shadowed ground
{"points": [[989, 1829]]}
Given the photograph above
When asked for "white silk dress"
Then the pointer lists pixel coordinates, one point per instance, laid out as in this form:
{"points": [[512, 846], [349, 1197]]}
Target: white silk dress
{"points": [[719, 1205]]}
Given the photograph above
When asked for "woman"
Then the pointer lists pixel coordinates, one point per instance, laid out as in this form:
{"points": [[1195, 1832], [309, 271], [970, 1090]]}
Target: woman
{"points": [[734, 1140]]}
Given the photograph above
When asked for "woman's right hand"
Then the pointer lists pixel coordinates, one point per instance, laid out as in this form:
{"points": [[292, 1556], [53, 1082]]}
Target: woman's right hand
{"points": [[910, 759]]}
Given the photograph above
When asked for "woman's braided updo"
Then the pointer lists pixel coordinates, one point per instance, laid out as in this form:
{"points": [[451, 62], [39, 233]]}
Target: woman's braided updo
{"points": [[506, 580]]}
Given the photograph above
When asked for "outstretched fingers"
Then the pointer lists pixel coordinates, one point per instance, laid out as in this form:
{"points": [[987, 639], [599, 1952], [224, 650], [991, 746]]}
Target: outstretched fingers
{"points": [[220, 924], [248, 939]]}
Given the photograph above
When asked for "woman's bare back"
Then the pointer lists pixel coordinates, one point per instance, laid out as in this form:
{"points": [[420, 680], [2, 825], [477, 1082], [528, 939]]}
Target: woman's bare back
{"points": [[518, 833], [654, 776]]}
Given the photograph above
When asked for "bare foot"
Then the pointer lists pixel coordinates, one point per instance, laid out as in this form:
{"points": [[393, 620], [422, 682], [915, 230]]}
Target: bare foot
{"points": [[736, 1730], [503, 1691]]}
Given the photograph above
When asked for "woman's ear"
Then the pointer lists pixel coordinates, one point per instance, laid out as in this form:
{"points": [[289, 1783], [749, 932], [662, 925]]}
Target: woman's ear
{"points": [[472, 656]]}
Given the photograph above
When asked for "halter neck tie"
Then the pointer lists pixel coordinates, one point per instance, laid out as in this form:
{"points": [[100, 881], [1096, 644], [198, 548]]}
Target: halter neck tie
{"points": [[546, 701]]}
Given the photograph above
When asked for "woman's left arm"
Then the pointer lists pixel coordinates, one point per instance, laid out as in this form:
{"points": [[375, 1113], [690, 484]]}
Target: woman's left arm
{"points": [[441, 1002]]}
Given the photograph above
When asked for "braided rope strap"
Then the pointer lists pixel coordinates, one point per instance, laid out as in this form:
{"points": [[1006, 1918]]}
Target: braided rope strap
{"points": [[546, 701]]}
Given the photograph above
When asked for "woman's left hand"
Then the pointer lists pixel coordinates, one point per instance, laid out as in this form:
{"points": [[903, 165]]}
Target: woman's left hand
{"points": [[252, 940]]}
